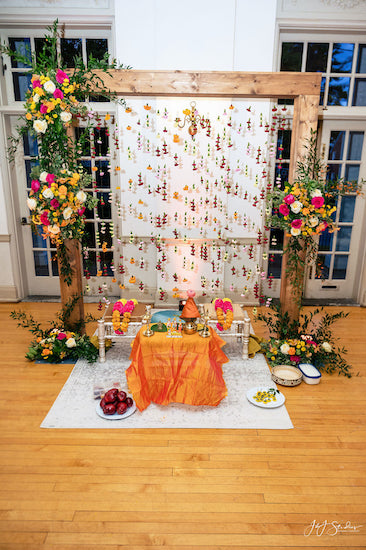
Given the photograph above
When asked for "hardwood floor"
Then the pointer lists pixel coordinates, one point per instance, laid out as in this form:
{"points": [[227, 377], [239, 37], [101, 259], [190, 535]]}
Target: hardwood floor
{"points": [[181, 489]]}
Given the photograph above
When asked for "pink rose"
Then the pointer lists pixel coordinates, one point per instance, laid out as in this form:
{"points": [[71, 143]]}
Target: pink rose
{"points": [[317, 202], [61, 336], [81, 211], [35, 185], [36, 84], [61, 76], [50, 178], [44, 218], [296, 224], [43, 109], [289, 199], [219, 303], [57, 94], [284, 209], [54, 203], [295, 358]]}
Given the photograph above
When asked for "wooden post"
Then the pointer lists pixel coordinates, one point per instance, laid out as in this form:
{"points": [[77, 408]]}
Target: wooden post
{"points": [[70, 291], [305, 121]]}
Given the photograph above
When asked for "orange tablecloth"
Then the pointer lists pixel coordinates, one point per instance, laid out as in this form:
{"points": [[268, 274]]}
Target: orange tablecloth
{"points": [[177, 370]]}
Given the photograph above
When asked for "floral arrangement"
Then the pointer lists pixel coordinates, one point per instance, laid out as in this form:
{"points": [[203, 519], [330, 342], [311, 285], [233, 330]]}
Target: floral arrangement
{"points": [[121, 314], [56, 343], [224, 312], [307, 340], [58, 204]]}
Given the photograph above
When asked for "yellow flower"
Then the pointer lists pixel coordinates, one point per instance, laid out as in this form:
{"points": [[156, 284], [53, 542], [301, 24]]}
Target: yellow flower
{"points": [[28, 116]]}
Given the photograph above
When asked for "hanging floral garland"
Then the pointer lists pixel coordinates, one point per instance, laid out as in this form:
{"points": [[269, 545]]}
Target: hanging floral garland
{"points": [[224, 313], [121, 315]]}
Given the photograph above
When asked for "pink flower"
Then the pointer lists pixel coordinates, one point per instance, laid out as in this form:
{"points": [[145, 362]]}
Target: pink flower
{"points": [[36, 84], [54, 203], [227, 306], [295, 358], [61, 76], [81, 211], [61, 336], [284, 209], [35, 185], [118, 306], [317, 202], [219, 327], [50, 178], [296, 224], [43, 109], [219, 303], [44, 218], [57, 94], [289, 199]]}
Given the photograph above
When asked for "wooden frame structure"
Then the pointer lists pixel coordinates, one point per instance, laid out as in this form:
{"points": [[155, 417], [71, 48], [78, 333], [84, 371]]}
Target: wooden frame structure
{"points": [[304, 88]]}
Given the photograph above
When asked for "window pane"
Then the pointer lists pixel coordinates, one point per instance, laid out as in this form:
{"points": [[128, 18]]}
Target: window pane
{"points": [[54, 264], [101, 142], [89, 235], [39, 44], [322, 90], [352, 172], [89, 212], [276, 239], [291, 57], [284, 140], [338, 91], [104, 208], [343, 239], [355, 146], [274, 265], [334, 171], [29, 164], [340, 267], [359, 94], [41, 263], [21, 83], [30, 145], [282, 174], [107, 264], [96, 47], [105, 234], [361, 59], [38, 241], [336, 145], [90, 264], [82, 138], [316, 60], [21, 46], [102, 176], [322, 267], [347, 208], [326, 241], [70, 48], [342, 57]]}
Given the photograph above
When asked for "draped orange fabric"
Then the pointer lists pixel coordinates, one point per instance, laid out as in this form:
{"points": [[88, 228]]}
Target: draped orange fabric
{"points": [[177, 370]]}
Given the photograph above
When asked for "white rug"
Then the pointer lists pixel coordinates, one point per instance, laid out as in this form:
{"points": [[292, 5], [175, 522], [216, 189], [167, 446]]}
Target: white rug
{"points": [[75, 405]]}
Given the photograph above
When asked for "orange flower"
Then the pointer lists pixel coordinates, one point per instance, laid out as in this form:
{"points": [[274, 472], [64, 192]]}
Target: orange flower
{"points": [[176, 138], [291, 351], [147, 107]]}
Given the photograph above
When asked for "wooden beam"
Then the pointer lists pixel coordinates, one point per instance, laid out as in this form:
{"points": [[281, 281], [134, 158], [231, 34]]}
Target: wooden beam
{"points": [[305, 121], [211, 83]]}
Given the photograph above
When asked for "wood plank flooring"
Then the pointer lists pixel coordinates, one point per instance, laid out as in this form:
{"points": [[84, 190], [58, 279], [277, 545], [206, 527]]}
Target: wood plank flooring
{"points": [[181, 489]]}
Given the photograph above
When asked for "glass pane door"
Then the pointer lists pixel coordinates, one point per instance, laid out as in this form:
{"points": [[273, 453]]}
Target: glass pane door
{"points": [[339, 261]]}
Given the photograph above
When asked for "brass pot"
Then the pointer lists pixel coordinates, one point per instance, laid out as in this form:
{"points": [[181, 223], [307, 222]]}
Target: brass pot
{"points": [[190, 326]]}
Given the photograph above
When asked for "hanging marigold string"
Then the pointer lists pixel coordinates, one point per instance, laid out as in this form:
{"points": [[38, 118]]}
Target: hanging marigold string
{"points": [[121, 315], [224, 313]]}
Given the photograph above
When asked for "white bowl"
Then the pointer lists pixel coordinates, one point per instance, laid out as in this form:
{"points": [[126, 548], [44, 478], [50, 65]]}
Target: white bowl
{"points": [[310, 374], [286, 375]]}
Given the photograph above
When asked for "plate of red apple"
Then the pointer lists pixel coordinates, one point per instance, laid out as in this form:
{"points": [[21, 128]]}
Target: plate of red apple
{"points": [[115, 405]]}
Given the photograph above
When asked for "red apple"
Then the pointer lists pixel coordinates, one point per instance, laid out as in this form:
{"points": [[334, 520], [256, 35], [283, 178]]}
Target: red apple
{"points": [[109, 408], [102, 402], [121, 407], [111, 395], [121, 396], [129, 402]]}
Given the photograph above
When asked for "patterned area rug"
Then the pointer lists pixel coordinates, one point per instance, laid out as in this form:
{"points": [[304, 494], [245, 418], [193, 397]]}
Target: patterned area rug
{"points": [[75, 407]]}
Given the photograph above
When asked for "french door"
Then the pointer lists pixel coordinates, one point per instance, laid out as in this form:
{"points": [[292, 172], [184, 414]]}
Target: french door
{"points": [[341, 254]]}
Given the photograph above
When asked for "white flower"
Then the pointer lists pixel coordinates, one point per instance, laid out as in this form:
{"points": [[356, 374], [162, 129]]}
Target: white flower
{"points": [[316, 193], [32, 203], [65, 116], [295, 232], [48, 193], [313, 221], [296, 206], [81, 196], [49, 86], [43, 177], [67, 213], [284, 348], [36, 98], [70, 343], [40, 126], [54, 229], [327, 347]]}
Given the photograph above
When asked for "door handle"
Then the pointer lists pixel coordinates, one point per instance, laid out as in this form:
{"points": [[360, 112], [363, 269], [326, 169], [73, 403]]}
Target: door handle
{"points": [[24, 221]]}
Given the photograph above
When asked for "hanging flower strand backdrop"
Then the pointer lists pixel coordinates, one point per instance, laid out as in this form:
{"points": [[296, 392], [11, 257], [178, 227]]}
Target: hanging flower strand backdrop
{"points": [[192, 207]]}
